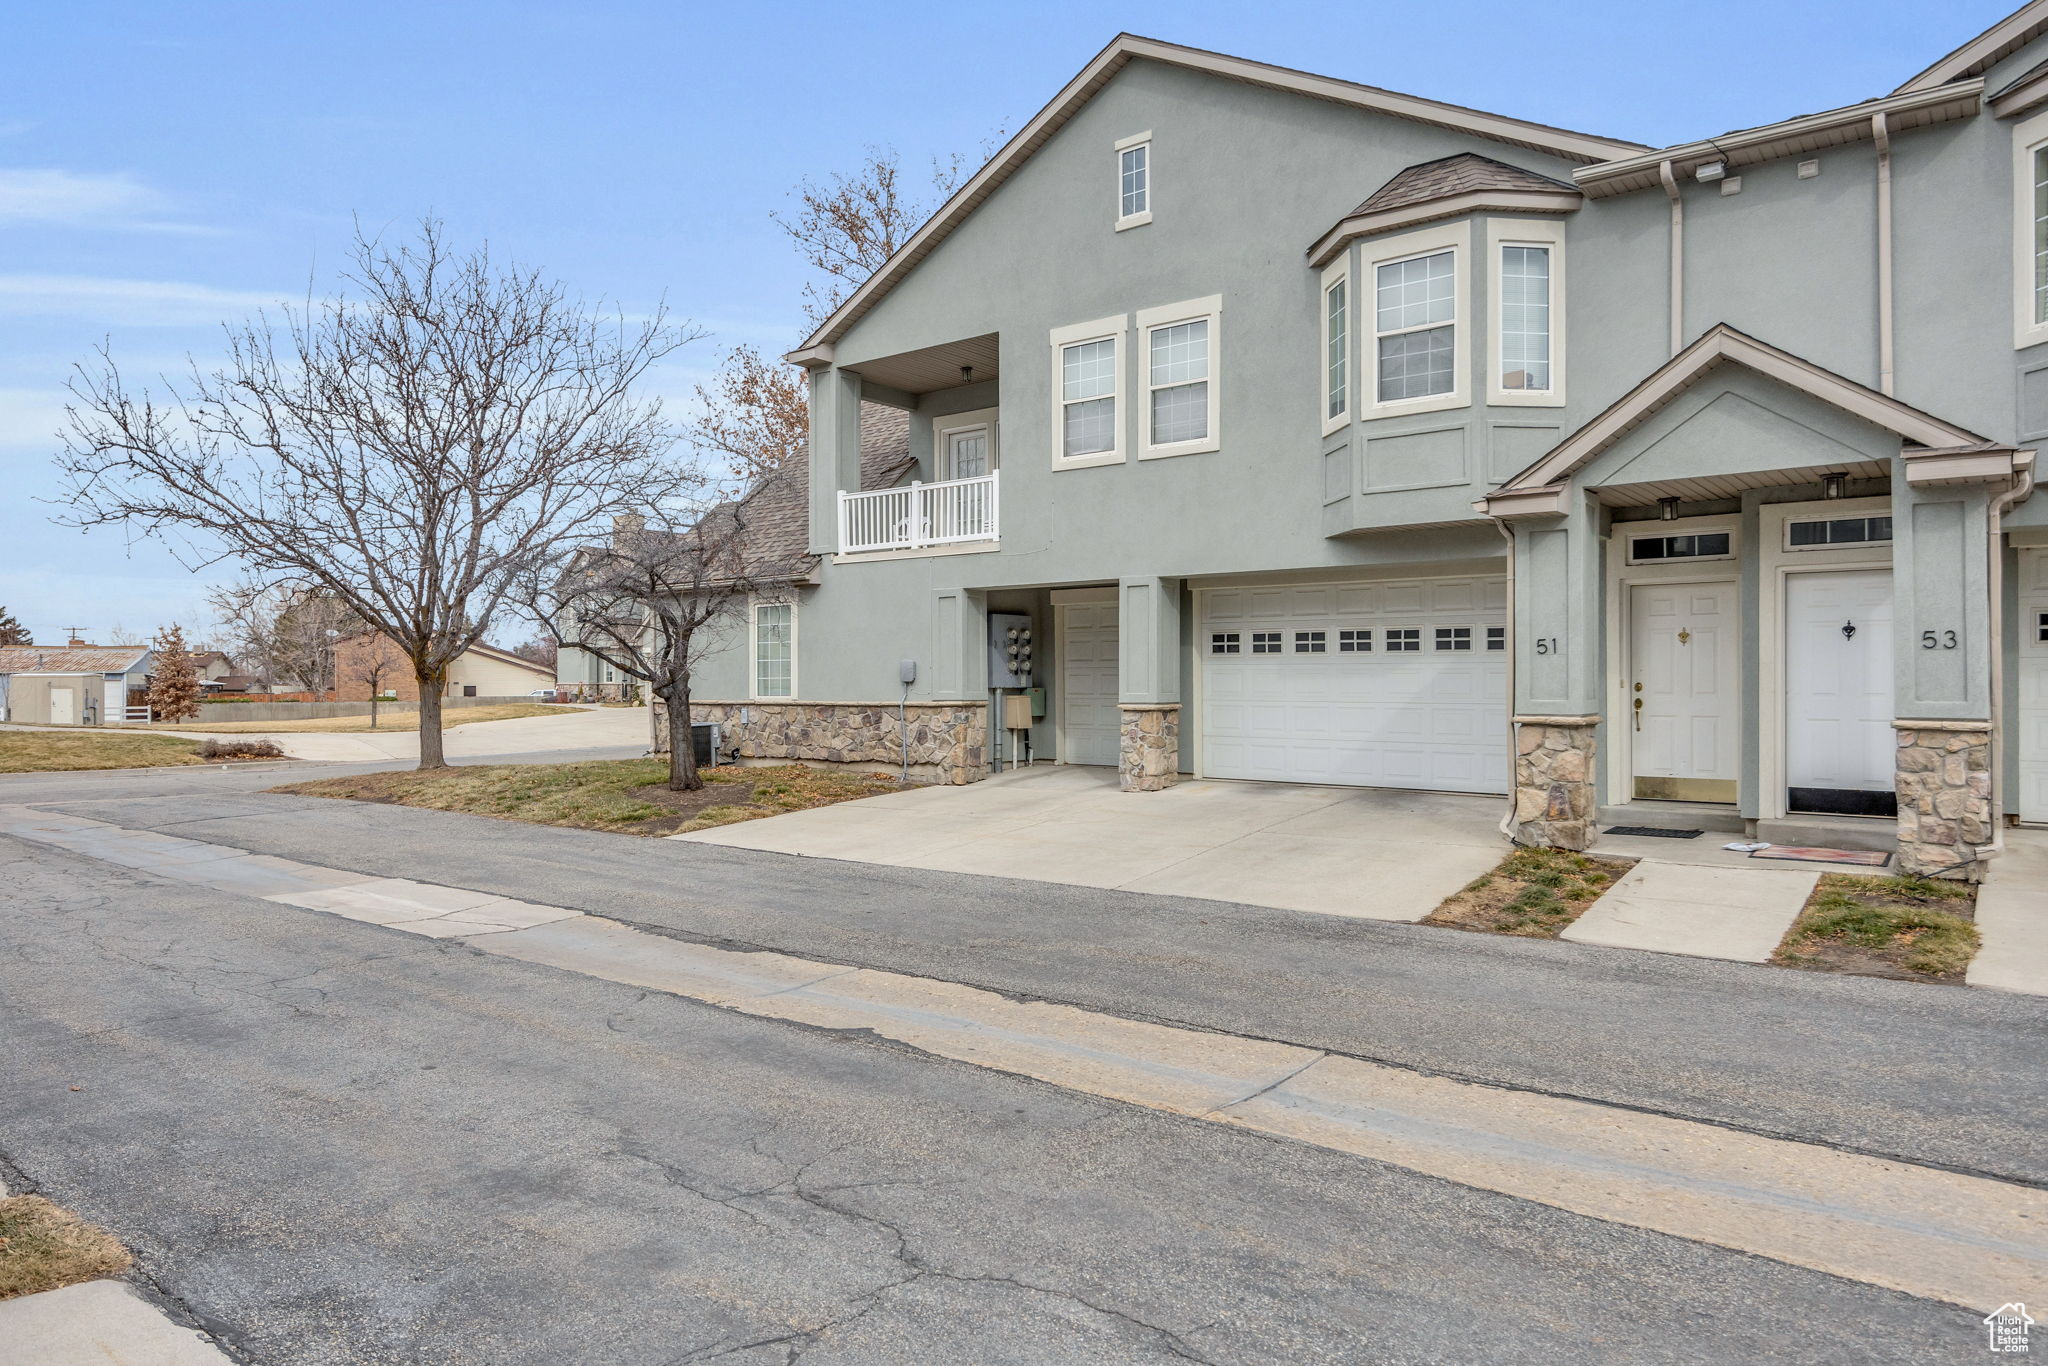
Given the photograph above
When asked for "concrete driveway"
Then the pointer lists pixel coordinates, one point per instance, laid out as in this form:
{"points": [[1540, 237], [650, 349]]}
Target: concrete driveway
{"points": [[1379, 854]]}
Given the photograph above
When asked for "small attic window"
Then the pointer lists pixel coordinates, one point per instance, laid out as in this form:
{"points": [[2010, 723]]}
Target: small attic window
{"points": [[1133, 181]]}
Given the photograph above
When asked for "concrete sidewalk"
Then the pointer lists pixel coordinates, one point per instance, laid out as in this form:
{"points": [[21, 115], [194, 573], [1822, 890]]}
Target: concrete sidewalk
{"points": [[96, 1324], [591, 728], [2012, 917]]}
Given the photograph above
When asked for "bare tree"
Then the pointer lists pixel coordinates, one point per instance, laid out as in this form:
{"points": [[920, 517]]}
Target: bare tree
{"points": [[652, 602], [376, 664], [410, 450], [283, 633], [173, 681], [541, 650], [849, 225], [754, 414]]}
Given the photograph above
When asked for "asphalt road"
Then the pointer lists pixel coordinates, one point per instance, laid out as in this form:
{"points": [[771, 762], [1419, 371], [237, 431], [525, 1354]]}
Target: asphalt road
{"points": [[1945, 1076], [332, 1142]]}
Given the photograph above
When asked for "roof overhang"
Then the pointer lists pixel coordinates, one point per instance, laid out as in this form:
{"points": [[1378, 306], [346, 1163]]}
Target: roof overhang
{"points": [[1409, 215], [1968, 456], [1981, 464], [2025, 93], [1121, 52], [1994, 44], [1807, 133]]}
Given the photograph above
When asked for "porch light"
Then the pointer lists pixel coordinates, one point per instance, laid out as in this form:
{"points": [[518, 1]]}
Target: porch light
{"points": [[1667, 509], [1711, 170], [1834, 485]]}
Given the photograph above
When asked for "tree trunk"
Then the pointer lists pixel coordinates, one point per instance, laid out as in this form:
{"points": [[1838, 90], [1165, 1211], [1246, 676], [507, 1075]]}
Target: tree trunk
{"points": [[682, 748], [430, 723], [374, 690]]}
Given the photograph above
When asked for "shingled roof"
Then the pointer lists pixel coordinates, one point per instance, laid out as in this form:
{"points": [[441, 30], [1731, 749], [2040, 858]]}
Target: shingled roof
{"points": [[1465, 173]]}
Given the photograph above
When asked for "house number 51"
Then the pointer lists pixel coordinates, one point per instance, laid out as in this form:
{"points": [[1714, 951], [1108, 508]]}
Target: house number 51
{"points": [[1937, 640], [1546, 645]]}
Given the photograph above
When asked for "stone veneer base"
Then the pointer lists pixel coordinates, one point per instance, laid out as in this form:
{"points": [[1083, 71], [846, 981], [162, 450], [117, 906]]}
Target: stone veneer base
{"points": [[1555, 800], [948, 740], [1944, 787], [1148, 751]]}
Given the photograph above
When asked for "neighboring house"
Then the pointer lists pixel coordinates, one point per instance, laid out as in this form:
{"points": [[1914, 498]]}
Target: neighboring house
{"points": [[75, 684], [212, 668], [1345, 436], [479, 671]]}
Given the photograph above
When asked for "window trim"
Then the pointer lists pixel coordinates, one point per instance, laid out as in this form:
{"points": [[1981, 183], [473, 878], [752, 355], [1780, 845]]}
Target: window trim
{"points": [[1792, 521], [1631, 532], [1115, 329], [2028, 136], [1407, 246], [1336, 273], [1500, 235], [1144, 215], [945, 425], [754, 606], [1210, 310]]}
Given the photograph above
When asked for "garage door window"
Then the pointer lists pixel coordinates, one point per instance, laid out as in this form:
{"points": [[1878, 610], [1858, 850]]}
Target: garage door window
{"points": [[1496, 637], [1454, 637], [1310, 642], [1404, 640], [1354, 642], [1224, 643], [1265, 642]]}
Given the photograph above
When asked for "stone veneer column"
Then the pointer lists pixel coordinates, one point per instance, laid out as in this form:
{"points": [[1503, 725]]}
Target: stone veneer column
{"points": [[1555, 803], [1944, 785], [1148, 758]]}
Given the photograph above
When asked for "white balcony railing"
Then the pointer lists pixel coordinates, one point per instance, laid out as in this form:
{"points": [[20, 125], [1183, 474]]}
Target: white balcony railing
{"points": [[918, 516]]}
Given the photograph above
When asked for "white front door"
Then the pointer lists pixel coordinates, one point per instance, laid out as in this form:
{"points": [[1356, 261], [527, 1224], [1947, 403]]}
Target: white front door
{"points": [[63, 706], [1839, 744], [2032, 627], [1381, 684], [966, 454], [1682, 691], [1089, 722]]}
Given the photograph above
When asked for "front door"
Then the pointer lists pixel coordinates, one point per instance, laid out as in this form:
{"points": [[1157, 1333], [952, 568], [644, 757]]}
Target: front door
{"points": [[1682, 694], [966, 454], [1089, 722], [1840, 751], [2033, 689]]}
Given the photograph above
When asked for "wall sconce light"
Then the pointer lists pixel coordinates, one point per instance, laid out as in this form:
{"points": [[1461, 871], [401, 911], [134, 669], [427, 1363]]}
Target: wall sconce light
{"points": [[1711, 170], [1667, 509], [1834, 485]]}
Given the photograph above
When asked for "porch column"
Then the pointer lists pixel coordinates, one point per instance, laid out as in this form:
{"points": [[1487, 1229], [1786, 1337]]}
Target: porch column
{"points": [[1148, 683], [1941, 654], [835, 451], [1557, 676]]}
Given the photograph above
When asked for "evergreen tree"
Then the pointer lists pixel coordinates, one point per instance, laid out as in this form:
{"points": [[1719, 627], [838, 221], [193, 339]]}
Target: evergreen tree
{"points": [[12, 632], [173, 682]]}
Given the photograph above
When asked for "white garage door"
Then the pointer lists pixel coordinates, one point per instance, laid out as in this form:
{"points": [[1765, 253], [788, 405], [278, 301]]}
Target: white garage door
{"points": [[1397, 684]]}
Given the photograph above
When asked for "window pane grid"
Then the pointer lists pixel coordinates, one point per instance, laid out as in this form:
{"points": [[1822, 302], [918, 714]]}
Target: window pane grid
{"points": [[1416, 293], [1310, 642], [1336, 333], [1133, 179], [1404, 640], [1354, 642], [1178, 366], [2041, 234], [772, 650], [1525, 318], [1416, 364], [1088, 396]]}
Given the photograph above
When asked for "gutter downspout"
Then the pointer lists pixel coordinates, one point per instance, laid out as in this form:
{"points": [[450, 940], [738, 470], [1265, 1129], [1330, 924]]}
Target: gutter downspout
{"points": [[1670, 180], [1507, 823], [1880, 132], [2010, 498]]}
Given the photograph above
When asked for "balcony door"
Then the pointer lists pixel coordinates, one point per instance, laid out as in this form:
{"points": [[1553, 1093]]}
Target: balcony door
{"points": [[967, 447]]}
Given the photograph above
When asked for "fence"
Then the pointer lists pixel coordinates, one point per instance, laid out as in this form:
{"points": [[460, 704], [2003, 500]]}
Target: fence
{"points": [[918, 515]]}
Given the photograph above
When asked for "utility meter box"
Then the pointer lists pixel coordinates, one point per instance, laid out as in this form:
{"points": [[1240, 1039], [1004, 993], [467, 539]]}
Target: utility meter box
{"points": [[1009, 650], [1017, 711]]}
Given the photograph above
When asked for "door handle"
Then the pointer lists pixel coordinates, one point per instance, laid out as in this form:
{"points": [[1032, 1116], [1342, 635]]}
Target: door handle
{"points": [[1639, 712]]}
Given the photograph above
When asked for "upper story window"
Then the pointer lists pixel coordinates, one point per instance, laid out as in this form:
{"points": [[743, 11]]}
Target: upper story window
{"points": [[1527, 365], [2030, 230], [1180, 388], [1087, 389], [1336, 337], [775, 649], [1133, 181], [1418, 312]]}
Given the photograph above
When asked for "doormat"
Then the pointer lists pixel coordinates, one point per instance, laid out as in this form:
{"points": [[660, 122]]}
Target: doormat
{"points": [[1654, 832], [1869, 858]]}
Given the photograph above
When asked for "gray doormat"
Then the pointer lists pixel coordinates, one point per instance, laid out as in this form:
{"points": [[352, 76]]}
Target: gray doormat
{"points": [[1654, 832]]}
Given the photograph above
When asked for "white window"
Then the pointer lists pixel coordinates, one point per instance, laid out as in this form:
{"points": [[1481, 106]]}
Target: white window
{"points": [[1836, 531], [1418, 313], [1179, 355], [1133, 181], [775, 649], [2030, 231], [1527, 365], [1087, 412], [1335, 326]]}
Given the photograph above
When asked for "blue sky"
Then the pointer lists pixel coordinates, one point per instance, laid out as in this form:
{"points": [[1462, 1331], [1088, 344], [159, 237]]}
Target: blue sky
{"points": [[165, 166]]}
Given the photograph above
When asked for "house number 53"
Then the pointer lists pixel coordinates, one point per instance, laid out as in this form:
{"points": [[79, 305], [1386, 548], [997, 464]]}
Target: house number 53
{"points": [[1937, 640]]}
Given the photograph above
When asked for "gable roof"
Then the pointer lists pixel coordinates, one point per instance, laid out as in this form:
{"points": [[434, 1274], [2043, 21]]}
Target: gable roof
{"points": [[1719, 345], [1444, 188], [507, 657], [1986, 50], [70, 659], [1126, 48]]}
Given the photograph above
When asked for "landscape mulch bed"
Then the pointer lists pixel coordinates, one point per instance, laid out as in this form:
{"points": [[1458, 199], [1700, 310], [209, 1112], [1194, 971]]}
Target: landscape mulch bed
{"points": [[1913, 929], [1534, 893]]}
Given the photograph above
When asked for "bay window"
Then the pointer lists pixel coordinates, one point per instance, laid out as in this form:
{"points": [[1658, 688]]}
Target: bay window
{"points": [[1418, 320], [1527, 365]]}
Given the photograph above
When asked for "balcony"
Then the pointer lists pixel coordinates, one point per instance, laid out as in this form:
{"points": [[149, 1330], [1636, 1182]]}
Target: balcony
{"points": [[918, 517]]}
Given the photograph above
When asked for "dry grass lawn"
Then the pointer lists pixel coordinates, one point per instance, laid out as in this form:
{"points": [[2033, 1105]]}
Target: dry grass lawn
{"points": [[46, 1247], [1534, 893], [64, 751], [353, 725], [625, 796], [1908, 927]]}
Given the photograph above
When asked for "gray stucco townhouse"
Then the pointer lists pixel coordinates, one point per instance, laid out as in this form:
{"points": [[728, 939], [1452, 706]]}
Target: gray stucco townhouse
{"points": [[1318, 433]]}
